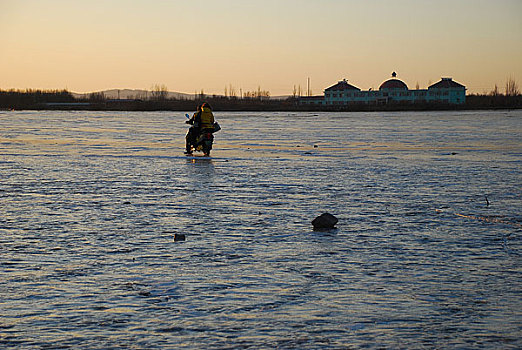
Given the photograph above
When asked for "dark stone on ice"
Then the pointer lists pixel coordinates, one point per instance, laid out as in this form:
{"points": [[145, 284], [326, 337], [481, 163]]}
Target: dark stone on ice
{"points": [[325, 221], [179, 237]]}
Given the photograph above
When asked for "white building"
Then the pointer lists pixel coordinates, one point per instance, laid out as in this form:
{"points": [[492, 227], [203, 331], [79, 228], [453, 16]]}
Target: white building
{"points": [[393, 90]]}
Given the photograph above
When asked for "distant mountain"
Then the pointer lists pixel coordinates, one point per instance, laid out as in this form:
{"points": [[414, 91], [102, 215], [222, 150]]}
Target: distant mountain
{"points": [[131, 94]]}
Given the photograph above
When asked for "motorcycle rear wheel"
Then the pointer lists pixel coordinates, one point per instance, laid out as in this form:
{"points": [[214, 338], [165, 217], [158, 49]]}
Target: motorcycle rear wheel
{"points": [[207, 146]]}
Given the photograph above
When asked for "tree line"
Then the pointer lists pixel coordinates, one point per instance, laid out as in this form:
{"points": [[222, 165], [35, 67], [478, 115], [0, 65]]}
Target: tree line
{"points": [[232, 100], [31, 98], [156, 99]]}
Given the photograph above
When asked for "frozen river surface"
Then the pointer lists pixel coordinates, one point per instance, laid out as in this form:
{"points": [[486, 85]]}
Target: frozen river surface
{"points": [[427, 253]]}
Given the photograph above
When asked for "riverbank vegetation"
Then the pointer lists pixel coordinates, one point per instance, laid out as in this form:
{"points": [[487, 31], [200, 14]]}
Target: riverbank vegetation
{"points": [[259, 100]]}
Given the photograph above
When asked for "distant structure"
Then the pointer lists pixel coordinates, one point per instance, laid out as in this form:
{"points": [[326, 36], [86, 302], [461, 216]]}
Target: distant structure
{"points": [[393, 90]]}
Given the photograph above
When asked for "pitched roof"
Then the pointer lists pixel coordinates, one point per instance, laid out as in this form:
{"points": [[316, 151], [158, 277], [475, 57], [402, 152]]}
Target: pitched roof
{"points": [[341, 86], [446, 83]]}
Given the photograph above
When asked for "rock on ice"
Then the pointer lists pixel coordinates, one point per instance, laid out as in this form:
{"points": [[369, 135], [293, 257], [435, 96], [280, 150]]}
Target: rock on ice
{"points": [[324, 221]]}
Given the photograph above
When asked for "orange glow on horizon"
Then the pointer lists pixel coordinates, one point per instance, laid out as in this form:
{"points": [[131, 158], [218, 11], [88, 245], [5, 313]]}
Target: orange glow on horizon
{"points": [[209, 45]]}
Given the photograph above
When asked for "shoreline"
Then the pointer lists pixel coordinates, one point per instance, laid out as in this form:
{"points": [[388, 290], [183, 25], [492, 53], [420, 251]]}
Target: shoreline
{"points": [[321, 110], [63, 100]]}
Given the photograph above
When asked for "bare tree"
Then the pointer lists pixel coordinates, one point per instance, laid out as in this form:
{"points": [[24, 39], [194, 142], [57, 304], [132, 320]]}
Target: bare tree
{"points": [[232, 91], [159, 92], [96, 96], [495, 91], [257, 94], [512, 87]]}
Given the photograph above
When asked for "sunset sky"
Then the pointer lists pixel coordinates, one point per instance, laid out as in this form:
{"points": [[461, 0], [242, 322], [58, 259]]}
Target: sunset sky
{"points": [[191, 45]]}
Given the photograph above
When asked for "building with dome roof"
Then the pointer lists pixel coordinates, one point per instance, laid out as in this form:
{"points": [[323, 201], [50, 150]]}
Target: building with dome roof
{"points": [[446, 91], [393, 84]]}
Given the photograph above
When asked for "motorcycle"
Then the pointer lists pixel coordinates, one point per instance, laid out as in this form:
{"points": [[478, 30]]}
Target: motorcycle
{"points": [[204, 141]]}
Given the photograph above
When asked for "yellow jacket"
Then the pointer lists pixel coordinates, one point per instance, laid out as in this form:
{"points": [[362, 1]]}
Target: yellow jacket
{"points": [[207, 118]]}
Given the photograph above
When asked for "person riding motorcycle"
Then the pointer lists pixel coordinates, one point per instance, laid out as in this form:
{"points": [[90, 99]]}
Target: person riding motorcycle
{"points": [[202, 121]]}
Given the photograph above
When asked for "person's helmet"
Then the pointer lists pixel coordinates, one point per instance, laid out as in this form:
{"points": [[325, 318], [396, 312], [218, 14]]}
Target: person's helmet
{"points": [[205, 105]]}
